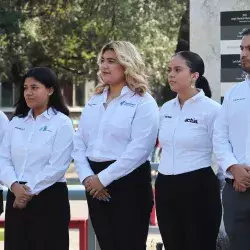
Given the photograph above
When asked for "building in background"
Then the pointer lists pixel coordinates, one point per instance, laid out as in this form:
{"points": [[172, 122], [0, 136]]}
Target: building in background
{"points": [[215, 34]]}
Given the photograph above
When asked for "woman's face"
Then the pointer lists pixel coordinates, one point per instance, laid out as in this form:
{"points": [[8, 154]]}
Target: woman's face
{"points": [[179, 76], [111, 71], [36, 94]]}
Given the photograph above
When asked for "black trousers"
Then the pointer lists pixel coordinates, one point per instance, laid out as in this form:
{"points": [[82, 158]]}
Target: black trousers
{"points": [[122, 223], [42, 225], [237, 217], [1, 201], [188, 210]]}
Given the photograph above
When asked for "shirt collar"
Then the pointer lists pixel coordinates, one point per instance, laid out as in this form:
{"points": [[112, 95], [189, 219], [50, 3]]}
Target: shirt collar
{"points": [[125, 90], [199, 95], [47, 114]]}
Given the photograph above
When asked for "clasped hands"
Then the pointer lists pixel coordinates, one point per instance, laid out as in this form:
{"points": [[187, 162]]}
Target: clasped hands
{"points": [[241, 174], [22, 194], [95, 188]]}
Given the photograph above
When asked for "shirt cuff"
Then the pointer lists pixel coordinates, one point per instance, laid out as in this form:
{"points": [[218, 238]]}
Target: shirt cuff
{"points": [[9, 181], [84, 174], [227, 164], [105, 177], [32, 187], [228, 175]]}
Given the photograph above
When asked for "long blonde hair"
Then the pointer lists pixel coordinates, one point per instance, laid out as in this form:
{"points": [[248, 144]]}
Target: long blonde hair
{"points": [[130, 59]]}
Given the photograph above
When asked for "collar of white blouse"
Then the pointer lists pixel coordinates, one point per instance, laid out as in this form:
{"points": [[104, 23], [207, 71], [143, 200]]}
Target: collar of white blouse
{"points": [[192, 99], [47, 113], [125, 90]]}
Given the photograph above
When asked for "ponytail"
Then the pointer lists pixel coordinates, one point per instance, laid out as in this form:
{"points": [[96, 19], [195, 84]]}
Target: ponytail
{"points": [[202, 83]]}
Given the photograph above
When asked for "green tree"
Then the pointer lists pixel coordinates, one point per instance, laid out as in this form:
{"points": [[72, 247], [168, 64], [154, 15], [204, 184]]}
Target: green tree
{"points": [[67, 35]]}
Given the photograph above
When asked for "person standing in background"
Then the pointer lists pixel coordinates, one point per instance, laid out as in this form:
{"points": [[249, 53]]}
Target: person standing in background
{"points": [[231, 146], [187, 191], [116, 135], [34, 156]]}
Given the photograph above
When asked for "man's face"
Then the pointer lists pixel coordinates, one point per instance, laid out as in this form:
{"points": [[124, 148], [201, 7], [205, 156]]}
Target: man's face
{"points": [[245, 53]]}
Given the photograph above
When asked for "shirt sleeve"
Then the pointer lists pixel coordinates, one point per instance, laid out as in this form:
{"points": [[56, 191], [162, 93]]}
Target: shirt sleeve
{"points": [[211, 120], [3, 125], [7, 170], [81, 163], [58, 163], [143, 139], [3, 128], [221, 141]]}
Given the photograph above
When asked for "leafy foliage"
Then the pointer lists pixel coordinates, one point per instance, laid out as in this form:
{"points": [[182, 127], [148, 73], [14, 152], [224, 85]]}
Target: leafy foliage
{"points": [[67, 35]]}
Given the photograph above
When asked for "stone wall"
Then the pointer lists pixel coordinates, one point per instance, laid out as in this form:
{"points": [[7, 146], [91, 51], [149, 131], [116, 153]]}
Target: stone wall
{"points": [[205, 36]]}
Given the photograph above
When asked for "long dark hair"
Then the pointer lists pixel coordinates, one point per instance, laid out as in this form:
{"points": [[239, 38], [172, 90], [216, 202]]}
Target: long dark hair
{"points": [[196, 64], [49, 79]]}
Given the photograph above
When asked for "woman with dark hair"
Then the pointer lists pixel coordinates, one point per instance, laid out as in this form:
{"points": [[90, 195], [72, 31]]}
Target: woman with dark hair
{"points": [[34, 157], [187, 190]]}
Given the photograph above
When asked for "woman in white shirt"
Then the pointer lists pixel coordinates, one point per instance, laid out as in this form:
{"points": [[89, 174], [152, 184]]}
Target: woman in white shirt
{"points": [[3, 126], [187, 190], [117, 132], [34, 156]]}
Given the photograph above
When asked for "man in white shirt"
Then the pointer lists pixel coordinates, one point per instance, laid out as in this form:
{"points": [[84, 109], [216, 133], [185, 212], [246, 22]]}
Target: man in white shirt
{"points": [[232, 149]]}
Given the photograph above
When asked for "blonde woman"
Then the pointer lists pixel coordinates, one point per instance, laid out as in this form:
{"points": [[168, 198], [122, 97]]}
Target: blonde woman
{"points": [[116, 135]]}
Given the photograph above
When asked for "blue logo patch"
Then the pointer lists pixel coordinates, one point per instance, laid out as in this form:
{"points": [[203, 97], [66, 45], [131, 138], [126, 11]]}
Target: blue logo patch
{"points": [[45, 128], [239, 99], [127, 104], [19, 128]]}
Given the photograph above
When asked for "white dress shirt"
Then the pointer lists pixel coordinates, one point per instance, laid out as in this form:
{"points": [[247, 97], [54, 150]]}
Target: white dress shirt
{"points": [[37, 151], [3, 126], [125, 132], [186, 134], [232, 128]]}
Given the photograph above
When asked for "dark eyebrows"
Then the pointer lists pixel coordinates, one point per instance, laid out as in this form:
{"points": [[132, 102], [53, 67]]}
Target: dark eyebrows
{"points": [[179, 67], [247, 47], [32, 85]]}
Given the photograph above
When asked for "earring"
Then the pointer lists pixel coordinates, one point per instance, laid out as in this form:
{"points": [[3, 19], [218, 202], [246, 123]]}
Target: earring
{"points": [[192, 85]]}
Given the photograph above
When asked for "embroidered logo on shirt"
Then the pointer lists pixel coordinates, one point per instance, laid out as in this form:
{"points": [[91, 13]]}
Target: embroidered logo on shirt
{"points": [[127, 104], [20, 128], [238, 99], [168, 116], [45, 128], [91, 104], [191, 120]]}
